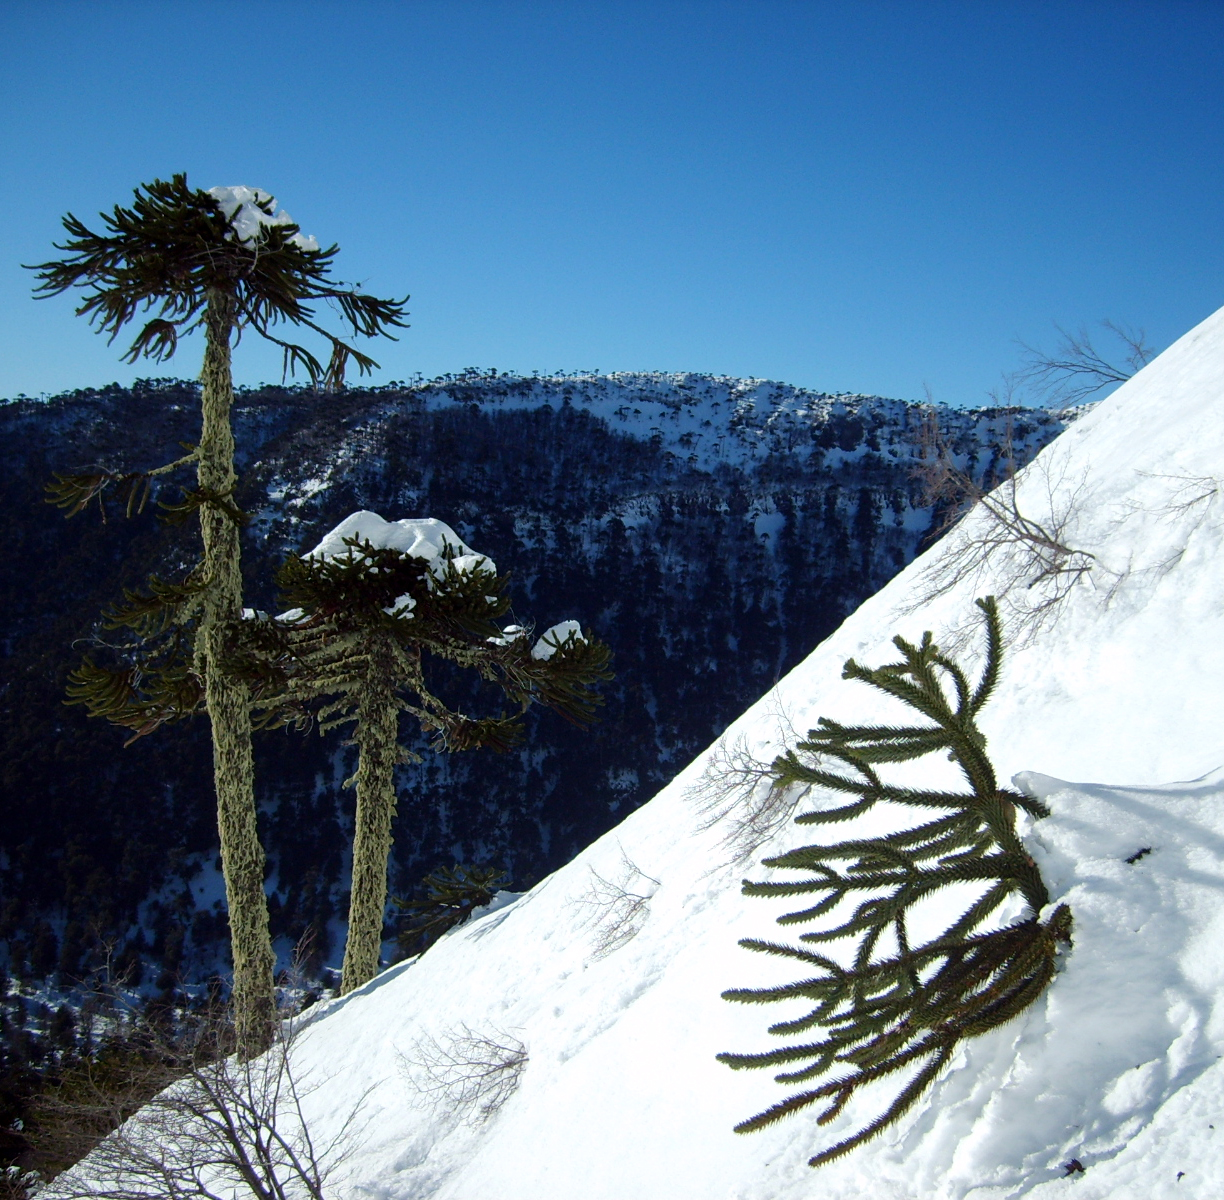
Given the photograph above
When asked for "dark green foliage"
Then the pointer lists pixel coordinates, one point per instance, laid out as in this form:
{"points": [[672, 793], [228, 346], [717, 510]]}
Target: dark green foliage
{"points": [[171, 251], [175, 245], [155, 679], [901, 1007], [175, 251], [75, 493], [353, 640], [447, 898], [178, 253], [349, 607]]}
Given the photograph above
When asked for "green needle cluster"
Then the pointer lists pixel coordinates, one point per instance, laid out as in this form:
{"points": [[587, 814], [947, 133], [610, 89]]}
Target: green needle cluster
{"points": [[900, 1008]]}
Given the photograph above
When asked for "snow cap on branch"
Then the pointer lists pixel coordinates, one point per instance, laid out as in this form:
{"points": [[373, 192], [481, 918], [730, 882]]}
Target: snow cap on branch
{"points": [[553, 639], [250, 209], [422, 537]]}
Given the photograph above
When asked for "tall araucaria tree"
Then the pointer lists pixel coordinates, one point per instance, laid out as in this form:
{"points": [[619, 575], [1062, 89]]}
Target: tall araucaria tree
{"points": [[368, 603], [224, 261]]}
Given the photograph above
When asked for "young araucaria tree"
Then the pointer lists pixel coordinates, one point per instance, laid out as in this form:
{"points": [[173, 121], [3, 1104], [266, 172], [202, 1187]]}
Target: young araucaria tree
{"points": [[367, 603], [885, 1003], [224, 261]]}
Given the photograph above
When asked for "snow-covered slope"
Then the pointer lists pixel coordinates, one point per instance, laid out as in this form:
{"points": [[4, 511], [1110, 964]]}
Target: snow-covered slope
{"points": [[616, 1001], [712, 421], [1117, 1066]]}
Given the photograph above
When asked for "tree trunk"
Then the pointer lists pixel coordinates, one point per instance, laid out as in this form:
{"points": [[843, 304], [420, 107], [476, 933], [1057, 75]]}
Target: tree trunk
{"points": [[378, 750], [242, 856]]}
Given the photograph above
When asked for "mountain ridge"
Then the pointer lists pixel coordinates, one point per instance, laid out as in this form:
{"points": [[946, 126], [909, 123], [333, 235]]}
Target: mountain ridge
{"points": [[743, 550]]}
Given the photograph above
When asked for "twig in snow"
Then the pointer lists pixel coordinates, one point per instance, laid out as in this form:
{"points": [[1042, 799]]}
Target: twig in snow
{"points": [[467, 1074], [619, 906]]}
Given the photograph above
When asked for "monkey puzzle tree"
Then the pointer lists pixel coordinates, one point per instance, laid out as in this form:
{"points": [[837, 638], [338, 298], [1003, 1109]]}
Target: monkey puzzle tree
{"points": [[367, 604], [222, 260]]}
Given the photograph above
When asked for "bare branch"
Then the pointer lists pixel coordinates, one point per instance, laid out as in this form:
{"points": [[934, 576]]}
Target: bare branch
{"points": [[1189, 494], [1026, 550], [739, 792], [1076, 369], [618, 907], [208, 1125], [466, 1074]]}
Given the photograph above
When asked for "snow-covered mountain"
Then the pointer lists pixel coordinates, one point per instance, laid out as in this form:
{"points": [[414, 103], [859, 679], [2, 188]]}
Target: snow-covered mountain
{"points": [[711, 530], [602, 984]]}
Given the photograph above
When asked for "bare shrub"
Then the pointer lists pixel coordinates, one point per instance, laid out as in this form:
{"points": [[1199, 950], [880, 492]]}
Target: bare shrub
{"points": [[1025, 550], [1188, 503], [220, 1127], [1188, 496], [167, 1109], [618, 907], [1076, 370], [466, 1074], [738, 793]]}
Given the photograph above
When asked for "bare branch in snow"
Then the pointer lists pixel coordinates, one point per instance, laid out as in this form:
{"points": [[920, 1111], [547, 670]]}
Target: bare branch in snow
{"points": [[1021, 552], [466, 1074], [218, 1128], [619, 907], [738, 792]]}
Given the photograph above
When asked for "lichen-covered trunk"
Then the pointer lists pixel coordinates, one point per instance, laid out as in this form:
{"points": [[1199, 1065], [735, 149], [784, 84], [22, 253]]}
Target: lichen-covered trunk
{"points": [[242, 856], [378, 748]]}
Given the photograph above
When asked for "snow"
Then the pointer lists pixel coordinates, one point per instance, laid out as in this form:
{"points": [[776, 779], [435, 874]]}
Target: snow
{"points": [[440, 546], [555, 637], [1117, 1066], [511, 633], [422, 537], [713, 421], [247, 219]]}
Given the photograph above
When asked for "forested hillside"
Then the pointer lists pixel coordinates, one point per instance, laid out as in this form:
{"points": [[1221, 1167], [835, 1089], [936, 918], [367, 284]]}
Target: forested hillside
{"points": [[711, 530]]}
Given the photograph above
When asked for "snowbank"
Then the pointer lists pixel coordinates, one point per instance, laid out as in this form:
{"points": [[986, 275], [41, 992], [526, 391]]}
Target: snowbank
{"points": [[1116, 1067], [422, 537]]}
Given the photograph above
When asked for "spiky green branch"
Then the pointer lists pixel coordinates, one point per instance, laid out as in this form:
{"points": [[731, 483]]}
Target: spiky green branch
{"points": [[900, 1007]]}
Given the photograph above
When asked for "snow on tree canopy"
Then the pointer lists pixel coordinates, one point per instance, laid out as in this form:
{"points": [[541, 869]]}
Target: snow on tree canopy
{"points": [[242, 206], [552, 639], [422, 537]]}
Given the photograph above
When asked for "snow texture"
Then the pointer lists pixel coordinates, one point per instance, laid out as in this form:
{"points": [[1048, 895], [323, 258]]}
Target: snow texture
{"points": [[554, 638], [1117, 1066], [712, 421], [422, 537], [247, 219]]}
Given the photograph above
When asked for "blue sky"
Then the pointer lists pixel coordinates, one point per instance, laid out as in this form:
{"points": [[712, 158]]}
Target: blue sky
{"points": [[864, 196]]}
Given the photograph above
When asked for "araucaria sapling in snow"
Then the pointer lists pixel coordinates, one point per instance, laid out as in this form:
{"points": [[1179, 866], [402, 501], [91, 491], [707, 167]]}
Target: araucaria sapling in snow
{"points": [[224, 261], [900, 1007]]}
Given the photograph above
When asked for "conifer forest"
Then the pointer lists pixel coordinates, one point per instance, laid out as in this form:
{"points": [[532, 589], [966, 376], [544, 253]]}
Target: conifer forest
{"points": [[709, 576]]}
